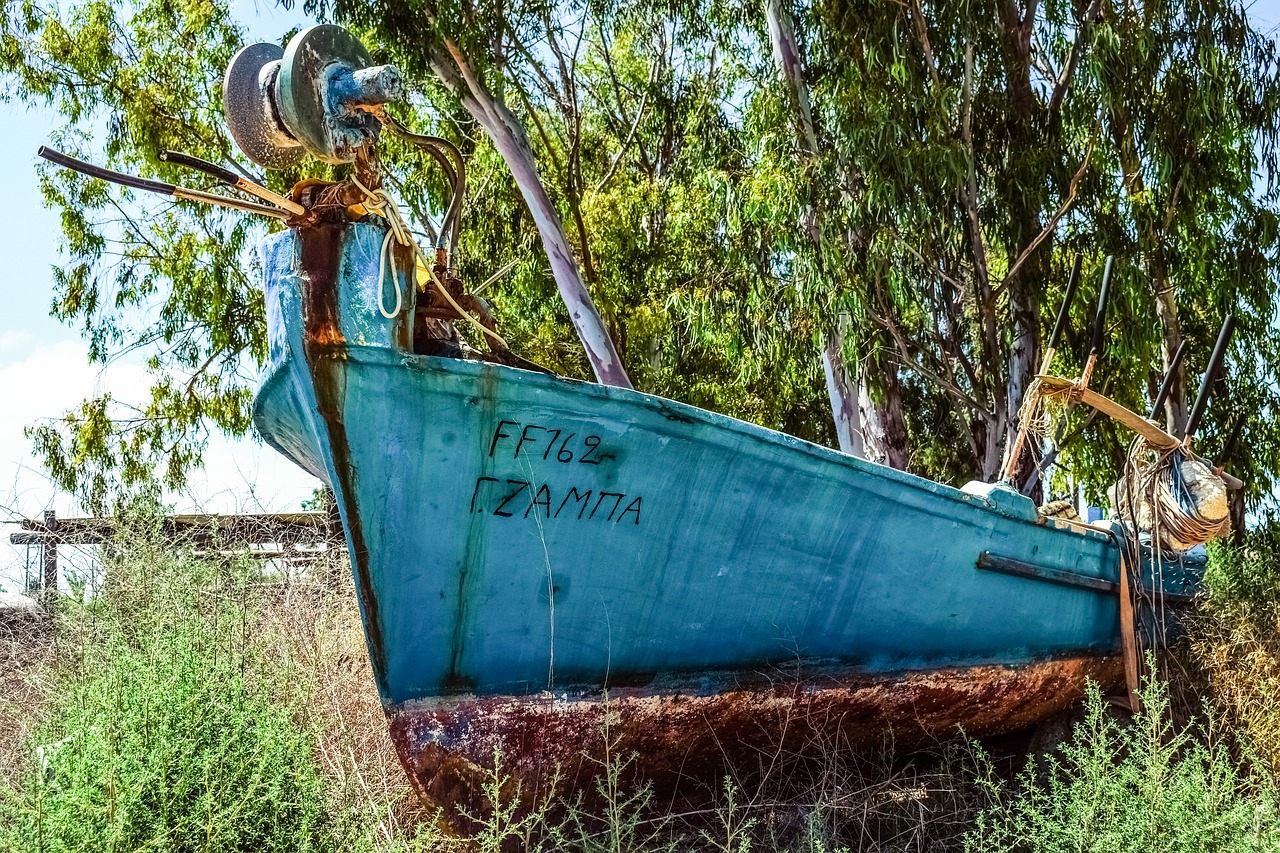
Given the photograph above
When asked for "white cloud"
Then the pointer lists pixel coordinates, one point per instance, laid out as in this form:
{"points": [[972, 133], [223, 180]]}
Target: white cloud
{"points": [[12, 340]]}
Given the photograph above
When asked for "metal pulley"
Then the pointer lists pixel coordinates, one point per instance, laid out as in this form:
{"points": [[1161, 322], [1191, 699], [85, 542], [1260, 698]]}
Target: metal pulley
{"points": [[282, 104]]}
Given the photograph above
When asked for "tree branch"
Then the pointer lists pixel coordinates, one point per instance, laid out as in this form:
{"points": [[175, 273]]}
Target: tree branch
{"points": [[1077, 49], [1058, 214]]}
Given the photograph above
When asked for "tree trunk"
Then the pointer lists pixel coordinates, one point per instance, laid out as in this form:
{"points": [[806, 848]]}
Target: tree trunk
{"points": [[1235, 508], [1175, 407], [512, 143], [1024, 285], [843, 405], [786, 56], [884, 427]]}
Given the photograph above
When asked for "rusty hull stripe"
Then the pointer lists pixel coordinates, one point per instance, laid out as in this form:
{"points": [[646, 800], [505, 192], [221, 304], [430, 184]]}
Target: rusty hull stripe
{"points": [[323, 342], [446, 745]]}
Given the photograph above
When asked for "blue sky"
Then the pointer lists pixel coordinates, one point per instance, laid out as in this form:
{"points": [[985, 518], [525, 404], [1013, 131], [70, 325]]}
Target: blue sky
{"points": [[44, 368], [43, 365]]}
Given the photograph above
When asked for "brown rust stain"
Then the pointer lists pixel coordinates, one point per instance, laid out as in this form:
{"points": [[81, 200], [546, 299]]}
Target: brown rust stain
{"points": [[405, 261], [323, 342], [678, 739]]}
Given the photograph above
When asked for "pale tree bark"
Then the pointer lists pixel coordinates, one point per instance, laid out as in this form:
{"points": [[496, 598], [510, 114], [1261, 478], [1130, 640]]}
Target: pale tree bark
{"points": [[1021, 284], [1175, 407], [843, 407], [884, 428], [1166, 300], [512, 143], [841, 390]]}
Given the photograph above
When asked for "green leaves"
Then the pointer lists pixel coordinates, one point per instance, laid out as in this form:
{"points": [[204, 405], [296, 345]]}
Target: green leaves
{"points": [[965, 154]]}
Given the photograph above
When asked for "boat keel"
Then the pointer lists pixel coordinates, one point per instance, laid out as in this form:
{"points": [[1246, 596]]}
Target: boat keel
{"points": [[685, 743]]}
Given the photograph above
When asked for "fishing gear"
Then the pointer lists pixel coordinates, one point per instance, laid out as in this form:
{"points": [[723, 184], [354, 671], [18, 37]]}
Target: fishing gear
{"points": [[282, 104], [231, 179], [321, 95], [160, 187]]}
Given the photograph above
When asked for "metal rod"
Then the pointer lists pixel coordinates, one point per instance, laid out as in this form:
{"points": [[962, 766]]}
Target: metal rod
{"points": [[1095, 350], [231, 179], [1100, 319], [69, 162], [233, 203], [1060, 324], [1210, 375], [160, 187], [1230, 444], [1169, 377], [451, 162]]}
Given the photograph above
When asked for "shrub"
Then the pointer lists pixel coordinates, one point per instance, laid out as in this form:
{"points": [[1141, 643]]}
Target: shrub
{"points": [[166, 733], [1141, 786], [1235, 641]]}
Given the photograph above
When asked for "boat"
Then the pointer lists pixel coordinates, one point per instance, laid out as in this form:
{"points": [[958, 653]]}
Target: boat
{"points": [[550, 570], [543, 564]]}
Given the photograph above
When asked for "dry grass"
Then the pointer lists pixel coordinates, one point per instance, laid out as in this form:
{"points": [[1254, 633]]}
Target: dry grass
{"points": [[1236, 649], [311, 626], [27, 645]]}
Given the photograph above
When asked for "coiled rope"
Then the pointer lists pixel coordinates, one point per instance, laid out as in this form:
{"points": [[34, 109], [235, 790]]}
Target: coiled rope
{"points": [[379, 202], [1159, 497]]}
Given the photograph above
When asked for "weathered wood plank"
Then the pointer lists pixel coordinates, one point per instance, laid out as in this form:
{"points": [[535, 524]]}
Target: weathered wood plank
{"points": [[1134, 421]]}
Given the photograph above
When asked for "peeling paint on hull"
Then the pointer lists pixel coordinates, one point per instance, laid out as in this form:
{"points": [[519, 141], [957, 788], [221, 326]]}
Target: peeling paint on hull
{"points": [[522, 544], [448, 746]]}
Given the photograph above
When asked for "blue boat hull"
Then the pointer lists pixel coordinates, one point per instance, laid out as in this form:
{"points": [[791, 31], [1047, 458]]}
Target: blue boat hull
{"points": [[531, 551]]}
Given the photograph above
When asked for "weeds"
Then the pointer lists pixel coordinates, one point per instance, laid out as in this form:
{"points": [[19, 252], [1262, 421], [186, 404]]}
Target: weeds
{"points": [[172, 726], [198, 704], [1142, 785]]}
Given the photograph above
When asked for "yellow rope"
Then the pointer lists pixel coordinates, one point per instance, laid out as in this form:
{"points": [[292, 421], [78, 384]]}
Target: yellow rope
{"points": [[1042, 408], [378, 201]]}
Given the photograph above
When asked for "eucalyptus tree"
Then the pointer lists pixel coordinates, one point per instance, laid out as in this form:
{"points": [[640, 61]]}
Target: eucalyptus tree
{"points": [[967, 151], [618, 125], [168, 282], [921, 217]]}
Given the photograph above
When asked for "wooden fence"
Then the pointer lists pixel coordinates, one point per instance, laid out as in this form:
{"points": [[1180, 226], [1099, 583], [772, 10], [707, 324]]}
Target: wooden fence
{"points": [[266, 536]]}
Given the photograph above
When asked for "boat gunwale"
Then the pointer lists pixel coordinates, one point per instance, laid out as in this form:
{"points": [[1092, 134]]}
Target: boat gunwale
{"points": [[475, 371]]}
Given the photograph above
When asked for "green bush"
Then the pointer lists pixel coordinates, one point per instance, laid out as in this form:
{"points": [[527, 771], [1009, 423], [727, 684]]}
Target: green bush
{"points": [[166, 733], [1139, 786], [1247, 573]]}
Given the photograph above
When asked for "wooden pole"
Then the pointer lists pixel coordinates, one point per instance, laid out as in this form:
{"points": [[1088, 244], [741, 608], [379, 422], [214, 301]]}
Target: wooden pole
{"points": [[49, 558]]}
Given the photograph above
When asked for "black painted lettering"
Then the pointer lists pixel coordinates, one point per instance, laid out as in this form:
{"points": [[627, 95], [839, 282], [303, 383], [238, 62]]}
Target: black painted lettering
{"points": [[573, 495], [524, 437], [592, 443], [551, 443], [499, 434], [542, 499], [509, 498], [617, 499], [564, 454], [474, 494], [634, 506]]}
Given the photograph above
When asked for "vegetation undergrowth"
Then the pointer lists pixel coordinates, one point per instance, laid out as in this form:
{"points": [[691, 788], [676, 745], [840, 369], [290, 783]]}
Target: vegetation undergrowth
{"points": [[200, 703], [179, 720], [1139, 784]]}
